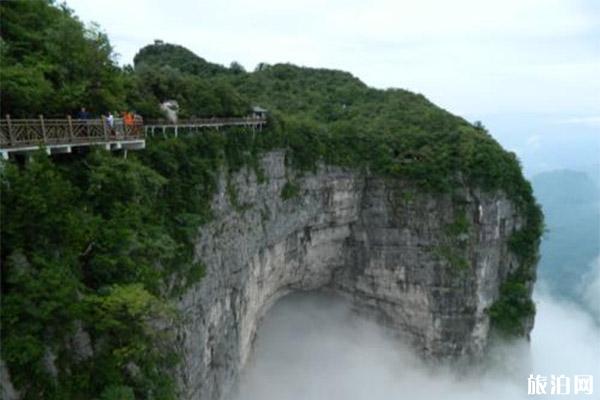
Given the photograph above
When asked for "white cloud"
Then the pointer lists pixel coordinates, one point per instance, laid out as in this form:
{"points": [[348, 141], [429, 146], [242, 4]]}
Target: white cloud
{"points": [[315, 347], [565, 340], [534, 142], [591, 289], [591, 120]]}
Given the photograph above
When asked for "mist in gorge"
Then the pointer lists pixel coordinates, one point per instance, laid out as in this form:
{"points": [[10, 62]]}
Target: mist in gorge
{"points": [[313, 346]]}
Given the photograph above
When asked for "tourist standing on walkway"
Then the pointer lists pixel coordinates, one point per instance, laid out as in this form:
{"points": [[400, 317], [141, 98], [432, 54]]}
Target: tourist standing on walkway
{"points": [[128, 121], [83, 114], [111, 120]]}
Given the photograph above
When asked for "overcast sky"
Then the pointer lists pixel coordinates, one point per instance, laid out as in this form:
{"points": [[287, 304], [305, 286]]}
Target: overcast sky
{"points": [[490, 60]]}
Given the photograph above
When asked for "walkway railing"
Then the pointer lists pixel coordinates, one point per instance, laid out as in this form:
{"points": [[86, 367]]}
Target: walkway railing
{"points": [[19, 133], [61, 135], [163, 125]]}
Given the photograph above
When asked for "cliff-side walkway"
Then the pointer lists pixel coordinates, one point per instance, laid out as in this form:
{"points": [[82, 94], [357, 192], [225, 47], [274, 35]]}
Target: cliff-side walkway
{"points": [[22, 136]]}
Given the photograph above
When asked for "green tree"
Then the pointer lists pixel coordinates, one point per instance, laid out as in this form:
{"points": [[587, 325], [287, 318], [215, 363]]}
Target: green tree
{"points": [[52, 64]]}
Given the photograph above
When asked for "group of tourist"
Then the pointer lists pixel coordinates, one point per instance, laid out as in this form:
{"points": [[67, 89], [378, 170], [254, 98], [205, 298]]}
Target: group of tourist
{"points": [[128, 120]]}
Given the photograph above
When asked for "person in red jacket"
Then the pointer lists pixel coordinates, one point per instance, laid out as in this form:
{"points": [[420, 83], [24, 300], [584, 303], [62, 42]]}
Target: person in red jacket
{"points": [[128, 122]]}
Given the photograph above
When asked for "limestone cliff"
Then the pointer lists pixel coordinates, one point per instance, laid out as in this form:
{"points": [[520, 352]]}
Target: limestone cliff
{"points": [[428, 265]]}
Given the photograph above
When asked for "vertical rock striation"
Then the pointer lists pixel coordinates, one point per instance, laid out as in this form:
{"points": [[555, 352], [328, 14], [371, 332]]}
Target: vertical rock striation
{"points": [[427, 265]]}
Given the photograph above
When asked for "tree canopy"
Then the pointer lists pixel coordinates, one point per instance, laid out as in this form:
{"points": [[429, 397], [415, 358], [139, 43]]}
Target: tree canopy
{"points": [[52, 64], [162, 54]]}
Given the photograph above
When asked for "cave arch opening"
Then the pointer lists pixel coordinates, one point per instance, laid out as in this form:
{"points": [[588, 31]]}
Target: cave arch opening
{"points": [[316, 344]]}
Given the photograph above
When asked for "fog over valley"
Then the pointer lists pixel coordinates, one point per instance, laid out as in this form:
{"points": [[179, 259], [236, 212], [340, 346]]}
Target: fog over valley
{"points": [[313, 346]]}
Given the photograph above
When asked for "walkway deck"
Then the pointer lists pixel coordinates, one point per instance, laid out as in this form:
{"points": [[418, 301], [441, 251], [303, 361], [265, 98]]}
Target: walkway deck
{"points": [[21, 136], [196, 124]]}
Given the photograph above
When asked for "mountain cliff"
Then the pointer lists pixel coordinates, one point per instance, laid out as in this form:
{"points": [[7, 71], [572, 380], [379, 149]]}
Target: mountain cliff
{"points": [[150, 274], [429, 266], [145, 276]]}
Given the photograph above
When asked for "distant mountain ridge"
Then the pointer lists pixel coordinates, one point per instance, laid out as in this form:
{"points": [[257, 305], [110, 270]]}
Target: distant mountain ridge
{"points": [[566, 186], [571, 204]]}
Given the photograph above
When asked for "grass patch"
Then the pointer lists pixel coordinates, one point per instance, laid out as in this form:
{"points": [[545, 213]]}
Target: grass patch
{"points": [[290, 190]]}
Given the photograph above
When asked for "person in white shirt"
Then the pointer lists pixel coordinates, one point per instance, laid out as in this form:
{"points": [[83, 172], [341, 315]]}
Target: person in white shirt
{"points": [[111, 120]]}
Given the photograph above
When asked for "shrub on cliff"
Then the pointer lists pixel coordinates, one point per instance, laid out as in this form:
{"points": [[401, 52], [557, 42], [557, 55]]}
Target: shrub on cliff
{"points": [[81, 247]]}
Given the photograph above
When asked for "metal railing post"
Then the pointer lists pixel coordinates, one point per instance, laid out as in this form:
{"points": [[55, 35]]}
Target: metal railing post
{"points": [[11, 134], [70, 122], [103, 119], [43, 129]]}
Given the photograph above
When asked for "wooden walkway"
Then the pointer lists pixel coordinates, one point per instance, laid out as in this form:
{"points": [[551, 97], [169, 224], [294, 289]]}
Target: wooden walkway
{"points": [[19, 136], [152, 127]]}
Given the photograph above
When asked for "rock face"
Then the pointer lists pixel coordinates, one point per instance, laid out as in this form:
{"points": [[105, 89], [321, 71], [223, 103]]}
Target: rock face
{"points": [[426, 265], [7, 389]]}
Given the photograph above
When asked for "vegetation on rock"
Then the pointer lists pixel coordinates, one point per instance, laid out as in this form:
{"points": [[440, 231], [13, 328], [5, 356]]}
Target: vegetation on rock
{"points": [[290, 190]]}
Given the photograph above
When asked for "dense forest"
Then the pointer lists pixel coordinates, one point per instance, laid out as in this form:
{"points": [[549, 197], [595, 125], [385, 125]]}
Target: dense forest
{"points": [[96, 248]]}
